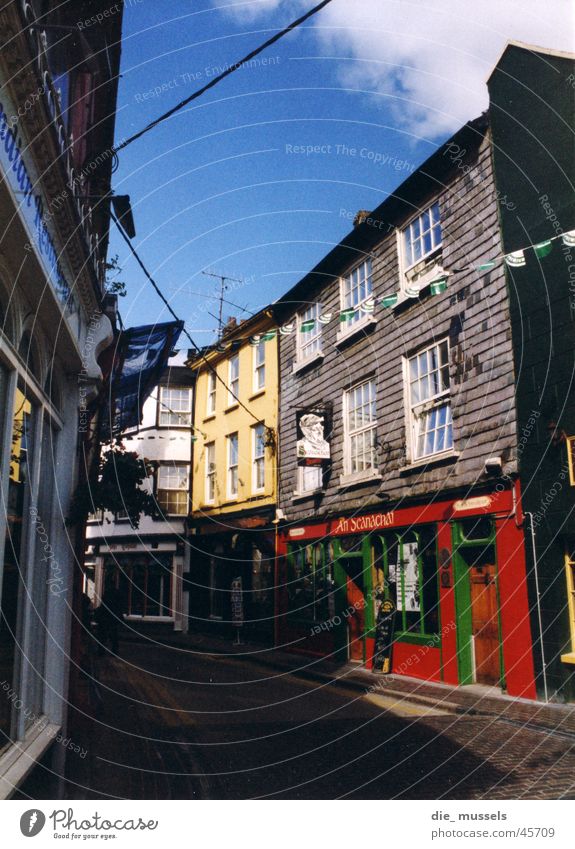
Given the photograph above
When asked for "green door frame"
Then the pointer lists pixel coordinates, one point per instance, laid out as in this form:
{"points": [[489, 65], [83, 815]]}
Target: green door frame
{"points": [[462, 589], [340, 578]]}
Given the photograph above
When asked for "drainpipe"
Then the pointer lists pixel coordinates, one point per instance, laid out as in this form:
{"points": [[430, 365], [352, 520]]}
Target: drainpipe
{"points": [[538, 595]]}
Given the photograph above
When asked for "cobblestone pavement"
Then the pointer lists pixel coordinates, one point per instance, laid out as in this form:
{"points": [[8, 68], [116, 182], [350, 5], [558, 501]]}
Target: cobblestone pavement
{"points": [[189, 721]]}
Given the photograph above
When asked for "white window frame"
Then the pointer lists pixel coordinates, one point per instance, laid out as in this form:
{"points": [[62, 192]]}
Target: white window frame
{"points": [[232, 492], [346, 301], [259, 367], [417, 409], [419, 272], [211, 393], [258, 459], [167, 467], [210, 473], [309, 342], [233, 382], [350, 433], [166, 407], [302, 487]]}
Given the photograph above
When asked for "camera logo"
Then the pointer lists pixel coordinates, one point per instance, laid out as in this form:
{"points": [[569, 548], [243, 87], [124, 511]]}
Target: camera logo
{"points": [[32, 822]]}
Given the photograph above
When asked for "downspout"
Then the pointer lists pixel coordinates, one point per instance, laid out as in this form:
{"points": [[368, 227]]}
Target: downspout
{"points": [[538, 596]]}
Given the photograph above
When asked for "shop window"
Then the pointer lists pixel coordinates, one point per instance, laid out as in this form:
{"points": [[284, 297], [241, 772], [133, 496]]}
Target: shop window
{"points": [[405, 571], [429, 414], [17, 524], [310, 585], [570, 577], [145, 586]]}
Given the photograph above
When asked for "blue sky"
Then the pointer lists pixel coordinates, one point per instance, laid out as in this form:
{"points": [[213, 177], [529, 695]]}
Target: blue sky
{"points": [[257, 179]]}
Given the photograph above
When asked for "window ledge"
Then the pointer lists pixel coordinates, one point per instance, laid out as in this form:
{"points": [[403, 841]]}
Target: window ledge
{"points": [[304, 496], [257, 394], [301, 365], [432, 460], [568, 658], [350, 333], [358, 478], [21, 757], [210, 418], [231, 407]]}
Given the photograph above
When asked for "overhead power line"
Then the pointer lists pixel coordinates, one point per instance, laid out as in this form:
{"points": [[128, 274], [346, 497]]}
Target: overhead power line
{"points": [[220, 77], [177, 318]]}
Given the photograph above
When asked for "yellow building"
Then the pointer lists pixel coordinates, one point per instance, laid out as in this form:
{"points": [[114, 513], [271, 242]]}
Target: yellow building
{"points": [[234, 474]]}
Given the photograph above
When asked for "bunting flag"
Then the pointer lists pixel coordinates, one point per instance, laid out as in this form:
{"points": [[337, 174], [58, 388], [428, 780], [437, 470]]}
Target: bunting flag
{"points": [[345, 315], [286, 329], [268, 336], [389, 300], [438, 286], [485, 266], [516, 259], [308, 325], [255, 339], [411, 291], [325, 317], [221, 348], [543, 248], [368, 306], [568, 239]]}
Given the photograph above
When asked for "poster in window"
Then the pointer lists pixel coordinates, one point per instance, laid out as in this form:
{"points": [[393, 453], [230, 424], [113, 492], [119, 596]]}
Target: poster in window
{"points": [[409, 599]]}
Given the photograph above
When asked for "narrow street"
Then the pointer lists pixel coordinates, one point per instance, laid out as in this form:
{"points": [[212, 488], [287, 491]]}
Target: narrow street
{"points": [[179, 723]]}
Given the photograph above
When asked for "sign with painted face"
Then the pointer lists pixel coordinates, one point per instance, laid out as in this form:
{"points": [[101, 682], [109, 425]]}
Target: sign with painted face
{"points": [[312, 444]]}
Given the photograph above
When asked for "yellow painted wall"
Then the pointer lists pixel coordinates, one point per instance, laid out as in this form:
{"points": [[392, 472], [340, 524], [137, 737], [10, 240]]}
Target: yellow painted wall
{"points": [[230, 418]]}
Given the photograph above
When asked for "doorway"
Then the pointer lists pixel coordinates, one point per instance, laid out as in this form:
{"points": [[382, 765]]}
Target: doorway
{"points": [[353, 560], [484, 623]]}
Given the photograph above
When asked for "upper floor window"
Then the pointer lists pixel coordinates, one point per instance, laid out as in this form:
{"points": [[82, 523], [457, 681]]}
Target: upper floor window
{"points": [[233, 379], [259, 365], [308, 340], [430, 422], [356, 289], [360, 427], [172, 489], [232, 471], [210, 492], [211, 394], [175, 407], [421, 242], [259, 458]]}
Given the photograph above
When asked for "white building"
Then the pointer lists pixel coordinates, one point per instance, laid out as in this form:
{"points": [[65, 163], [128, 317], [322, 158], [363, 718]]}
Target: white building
{"points": [[147, 564]]}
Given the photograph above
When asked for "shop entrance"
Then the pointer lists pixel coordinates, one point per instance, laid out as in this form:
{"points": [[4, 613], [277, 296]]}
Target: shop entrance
{"points": [[477, 602], [354, 562]]}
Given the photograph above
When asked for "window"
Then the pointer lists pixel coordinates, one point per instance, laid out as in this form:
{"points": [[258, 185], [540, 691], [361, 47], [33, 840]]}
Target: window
{"points": [[232, 484], [210, 492], [173, 485], [308, 340], [211, 398], [356, 288], [360, 424], [405, 567], [422, 236], [259, 365], [175, 407], [429, 402], [570, 575], [233, 379], [310, 478], [310, 584], [259, 458]]}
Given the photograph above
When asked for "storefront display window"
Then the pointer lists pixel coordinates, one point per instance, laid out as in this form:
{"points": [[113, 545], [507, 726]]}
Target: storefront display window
{"points": [[310, 582]]}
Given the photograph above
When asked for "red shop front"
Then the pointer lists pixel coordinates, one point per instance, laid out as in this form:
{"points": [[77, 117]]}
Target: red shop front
{"points": [[453, 572]]}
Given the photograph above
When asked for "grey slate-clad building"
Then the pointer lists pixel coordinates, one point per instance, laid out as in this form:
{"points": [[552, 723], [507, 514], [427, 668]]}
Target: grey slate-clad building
{"points": [[411, 383]]}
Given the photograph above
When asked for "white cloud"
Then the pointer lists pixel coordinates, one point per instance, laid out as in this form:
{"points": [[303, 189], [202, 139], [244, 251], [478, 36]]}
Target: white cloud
{"points": [[426, 61]]}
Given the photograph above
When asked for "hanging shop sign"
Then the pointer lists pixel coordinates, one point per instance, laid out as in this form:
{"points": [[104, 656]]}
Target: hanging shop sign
{"points": [[312, 446], [384, 629], [31, 207]]}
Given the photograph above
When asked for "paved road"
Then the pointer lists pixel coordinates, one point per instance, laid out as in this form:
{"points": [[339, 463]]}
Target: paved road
{"points": [[176, 724]]}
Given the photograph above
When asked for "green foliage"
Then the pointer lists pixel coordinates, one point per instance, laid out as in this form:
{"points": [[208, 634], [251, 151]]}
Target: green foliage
{"points": [[114, 286], [117, 488]]}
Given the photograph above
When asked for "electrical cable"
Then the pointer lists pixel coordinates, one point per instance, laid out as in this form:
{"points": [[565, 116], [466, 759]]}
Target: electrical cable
{"points": [[220, 77], [177, 318]]}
